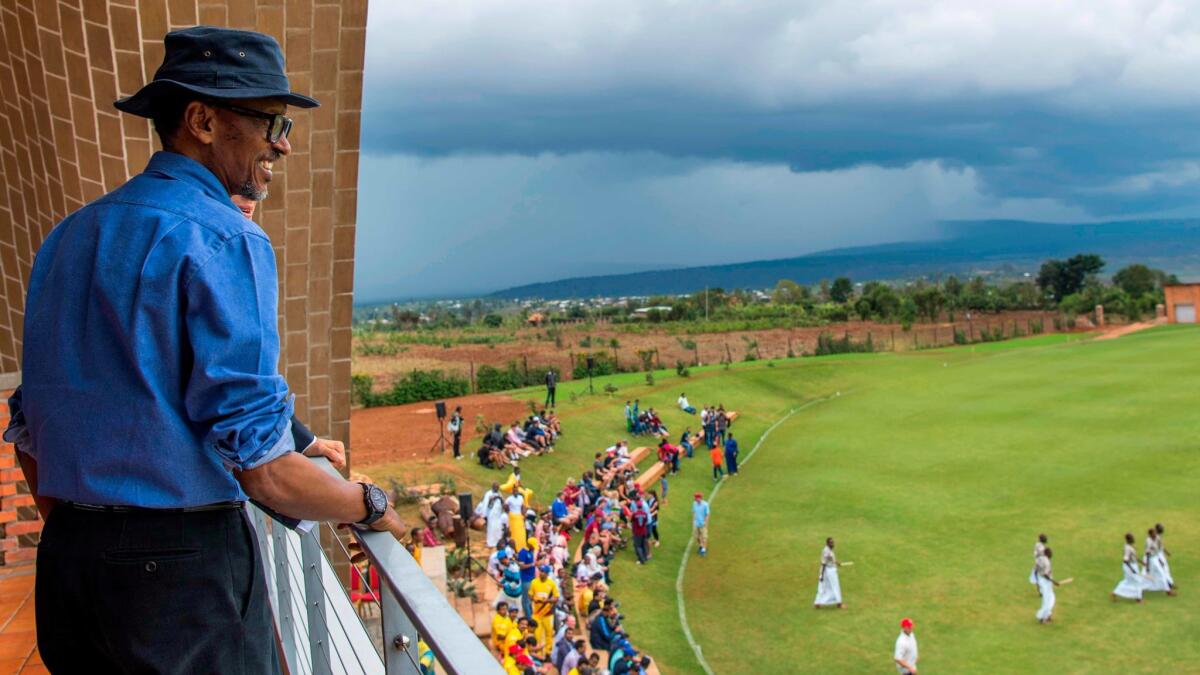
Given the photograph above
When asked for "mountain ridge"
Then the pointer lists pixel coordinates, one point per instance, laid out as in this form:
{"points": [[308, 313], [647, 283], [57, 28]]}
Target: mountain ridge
{"points": [[965, 247]]}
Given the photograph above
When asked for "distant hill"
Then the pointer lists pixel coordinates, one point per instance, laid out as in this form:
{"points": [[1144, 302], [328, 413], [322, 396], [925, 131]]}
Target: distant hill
{"points": [[964, 248]]}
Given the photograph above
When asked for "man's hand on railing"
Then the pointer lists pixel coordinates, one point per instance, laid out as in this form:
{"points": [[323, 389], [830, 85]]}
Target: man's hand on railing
{"points": [[334, 451], [390, 522]]}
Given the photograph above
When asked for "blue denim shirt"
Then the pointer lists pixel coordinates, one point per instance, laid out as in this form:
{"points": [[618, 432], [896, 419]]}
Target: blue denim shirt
{"points": [[151, 347]]}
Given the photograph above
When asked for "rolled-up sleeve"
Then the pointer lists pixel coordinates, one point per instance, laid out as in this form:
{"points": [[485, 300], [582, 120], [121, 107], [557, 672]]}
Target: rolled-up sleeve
{"points": [[16, 432], [234, 386]]}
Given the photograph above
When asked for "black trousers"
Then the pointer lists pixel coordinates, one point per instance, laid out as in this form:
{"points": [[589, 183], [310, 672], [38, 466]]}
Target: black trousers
{"points": [[457, 443], [152, 592], [550, 396]]}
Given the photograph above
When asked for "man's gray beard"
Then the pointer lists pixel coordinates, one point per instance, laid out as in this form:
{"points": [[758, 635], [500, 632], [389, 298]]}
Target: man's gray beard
{"points": [[250, 193]]}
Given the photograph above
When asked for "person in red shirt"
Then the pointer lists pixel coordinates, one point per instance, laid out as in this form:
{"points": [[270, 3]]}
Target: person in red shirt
{"points": [[718, 455], [669, 454]]}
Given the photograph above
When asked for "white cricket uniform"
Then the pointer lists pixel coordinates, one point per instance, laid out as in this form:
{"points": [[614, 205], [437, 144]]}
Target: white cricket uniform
{"points": [[1162, 560], [1046, 588], [1038, 548], [1159, 581], [829, 591], [906, 651], [1133, 583]]}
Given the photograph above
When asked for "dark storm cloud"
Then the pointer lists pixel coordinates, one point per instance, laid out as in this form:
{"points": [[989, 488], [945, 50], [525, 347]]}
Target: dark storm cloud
{"points": [[802, 124]]}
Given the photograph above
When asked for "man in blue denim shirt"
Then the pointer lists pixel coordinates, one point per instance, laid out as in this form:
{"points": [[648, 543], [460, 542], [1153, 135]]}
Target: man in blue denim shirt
{"points": [[151, 407]]}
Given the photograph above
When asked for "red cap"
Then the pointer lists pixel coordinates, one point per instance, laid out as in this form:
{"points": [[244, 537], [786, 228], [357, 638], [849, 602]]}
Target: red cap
{"points": [[699, 495], [906, 623], [514, 649]]}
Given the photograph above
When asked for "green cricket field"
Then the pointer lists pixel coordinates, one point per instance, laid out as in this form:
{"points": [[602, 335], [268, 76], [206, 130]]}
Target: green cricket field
{"points": [[934, 471]]}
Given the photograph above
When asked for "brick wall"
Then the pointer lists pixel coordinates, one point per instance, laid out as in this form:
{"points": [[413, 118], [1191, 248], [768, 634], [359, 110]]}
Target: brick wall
{"points": [[62, 144], [20, 527]]}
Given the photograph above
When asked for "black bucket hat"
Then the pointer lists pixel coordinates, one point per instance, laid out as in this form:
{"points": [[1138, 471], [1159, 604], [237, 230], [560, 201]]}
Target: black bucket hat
{"points": [[217, 63]]}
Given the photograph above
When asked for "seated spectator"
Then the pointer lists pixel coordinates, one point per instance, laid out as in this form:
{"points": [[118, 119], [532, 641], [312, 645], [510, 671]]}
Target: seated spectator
{"points": [[515, 440], [685, 406], [565, 514], [603, 628], [590, 568], [685, 442]]}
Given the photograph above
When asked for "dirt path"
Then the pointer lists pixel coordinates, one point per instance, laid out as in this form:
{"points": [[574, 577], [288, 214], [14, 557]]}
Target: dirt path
{"points": [[1118, 331], [405, 433]]}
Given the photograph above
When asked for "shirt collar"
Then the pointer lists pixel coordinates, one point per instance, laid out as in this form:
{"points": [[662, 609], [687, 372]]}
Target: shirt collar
{"points": [[188, 170]]}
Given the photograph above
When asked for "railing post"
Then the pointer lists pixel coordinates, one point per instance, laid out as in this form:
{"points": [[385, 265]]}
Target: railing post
{"points": [[319, 639], [283, 594], [396, 627]]}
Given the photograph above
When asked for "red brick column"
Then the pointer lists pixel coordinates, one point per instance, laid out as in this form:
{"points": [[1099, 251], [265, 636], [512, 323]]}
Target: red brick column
{"points": [[20, 526]]}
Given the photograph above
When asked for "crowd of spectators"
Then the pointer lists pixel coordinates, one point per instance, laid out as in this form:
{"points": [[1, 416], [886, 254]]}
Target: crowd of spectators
{"points": [[643, 422], [501, 448], [553, 613]]}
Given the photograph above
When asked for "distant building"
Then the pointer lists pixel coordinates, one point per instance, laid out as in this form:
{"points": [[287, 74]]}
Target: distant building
{"points": [[1182, 300], [645, 311]]}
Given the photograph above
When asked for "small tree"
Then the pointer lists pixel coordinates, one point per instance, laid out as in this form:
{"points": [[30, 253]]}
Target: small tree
{"points": [[842, 290]]}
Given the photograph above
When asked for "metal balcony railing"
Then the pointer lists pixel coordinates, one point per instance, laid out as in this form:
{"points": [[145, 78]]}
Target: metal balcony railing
{"points": [[320, 632]]}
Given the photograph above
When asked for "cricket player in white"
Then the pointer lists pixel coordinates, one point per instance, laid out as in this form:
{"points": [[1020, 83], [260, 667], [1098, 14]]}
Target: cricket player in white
{"points": [[1046, 584], [1163, 554], [1159, 579], [906, 649], [829, 591], [1037, 553], [1133, 583]]}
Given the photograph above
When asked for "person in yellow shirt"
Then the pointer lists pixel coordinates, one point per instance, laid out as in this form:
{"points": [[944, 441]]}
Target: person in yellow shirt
{"points": [[584, 598], [544, 593], [516, 634], [501, 624]]}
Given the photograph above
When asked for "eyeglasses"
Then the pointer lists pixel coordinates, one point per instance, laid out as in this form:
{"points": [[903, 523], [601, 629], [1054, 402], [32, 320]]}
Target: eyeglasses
{"points": [[279, 127]]}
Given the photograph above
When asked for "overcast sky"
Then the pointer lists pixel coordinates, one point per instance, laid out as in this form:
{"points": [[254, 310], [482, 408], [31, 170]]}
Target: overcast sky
{"points": [[511, 141]]}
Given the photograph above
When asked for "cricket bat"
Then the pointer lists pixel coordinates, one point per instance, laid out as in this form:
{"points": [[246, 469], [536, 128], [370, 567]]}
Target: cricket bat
{"points": [[1066, 581], [848, 564]]}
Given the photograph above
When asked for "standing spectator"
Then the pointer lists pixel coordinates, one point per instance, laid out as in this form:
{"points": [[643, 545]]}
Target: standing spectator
{"points": [[668, 454], [526, 562], [544, 593], [165, 295], [905, 654], [717, 455], [700, 522], [551, 386], [710, 428], [652, 505], [455, 429], [722, 424], [639, 521], [731, 455]]}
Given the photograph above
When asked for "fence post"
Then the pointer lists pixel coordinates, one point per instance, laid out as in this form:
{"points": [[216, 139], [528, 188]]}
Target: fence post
{"points": [[396, 629], [283, 594], [893, 339], [474, 387], [319, 639]]}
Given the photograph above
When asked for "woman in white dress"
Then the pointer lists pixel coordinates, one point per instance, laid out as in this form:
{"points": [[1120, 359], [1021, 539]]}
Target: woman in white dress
{"points": [[1046, 584], [1158, 581], [829, 591], [1038, 547], [1163, 554], [1133, 583], [493, 508]]}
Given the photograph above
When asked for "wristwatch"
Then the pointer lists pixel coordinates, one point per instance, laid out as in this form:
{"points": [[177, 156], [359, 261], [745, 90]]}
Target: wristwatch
{"points": [[377, 503]]}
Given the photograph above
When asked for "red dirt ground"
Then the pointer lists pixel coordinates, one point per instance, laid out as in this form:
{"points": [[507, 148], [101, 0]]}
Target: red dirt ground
{"points": [[405, 433], [534, 348]]}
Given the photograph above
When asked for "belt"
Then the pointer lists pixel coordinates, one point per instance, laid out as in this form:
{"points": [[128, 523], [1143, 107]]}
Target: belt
{"points": [[110, 508]]}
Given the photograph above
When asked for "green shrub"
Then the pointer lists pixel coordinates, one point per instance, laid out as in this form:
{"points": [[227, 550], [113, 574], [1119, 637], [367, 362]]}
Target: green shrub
{"points": [[360, 389], [421, 385], [650, 378], [827, 344], [603, 364], [960, 338], [681, 369], [489, 378]]}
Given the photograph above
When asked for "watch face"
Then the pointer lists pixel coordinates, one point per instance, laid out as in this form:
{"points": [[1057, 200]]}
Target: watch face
{"points": [[379, 502]]}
